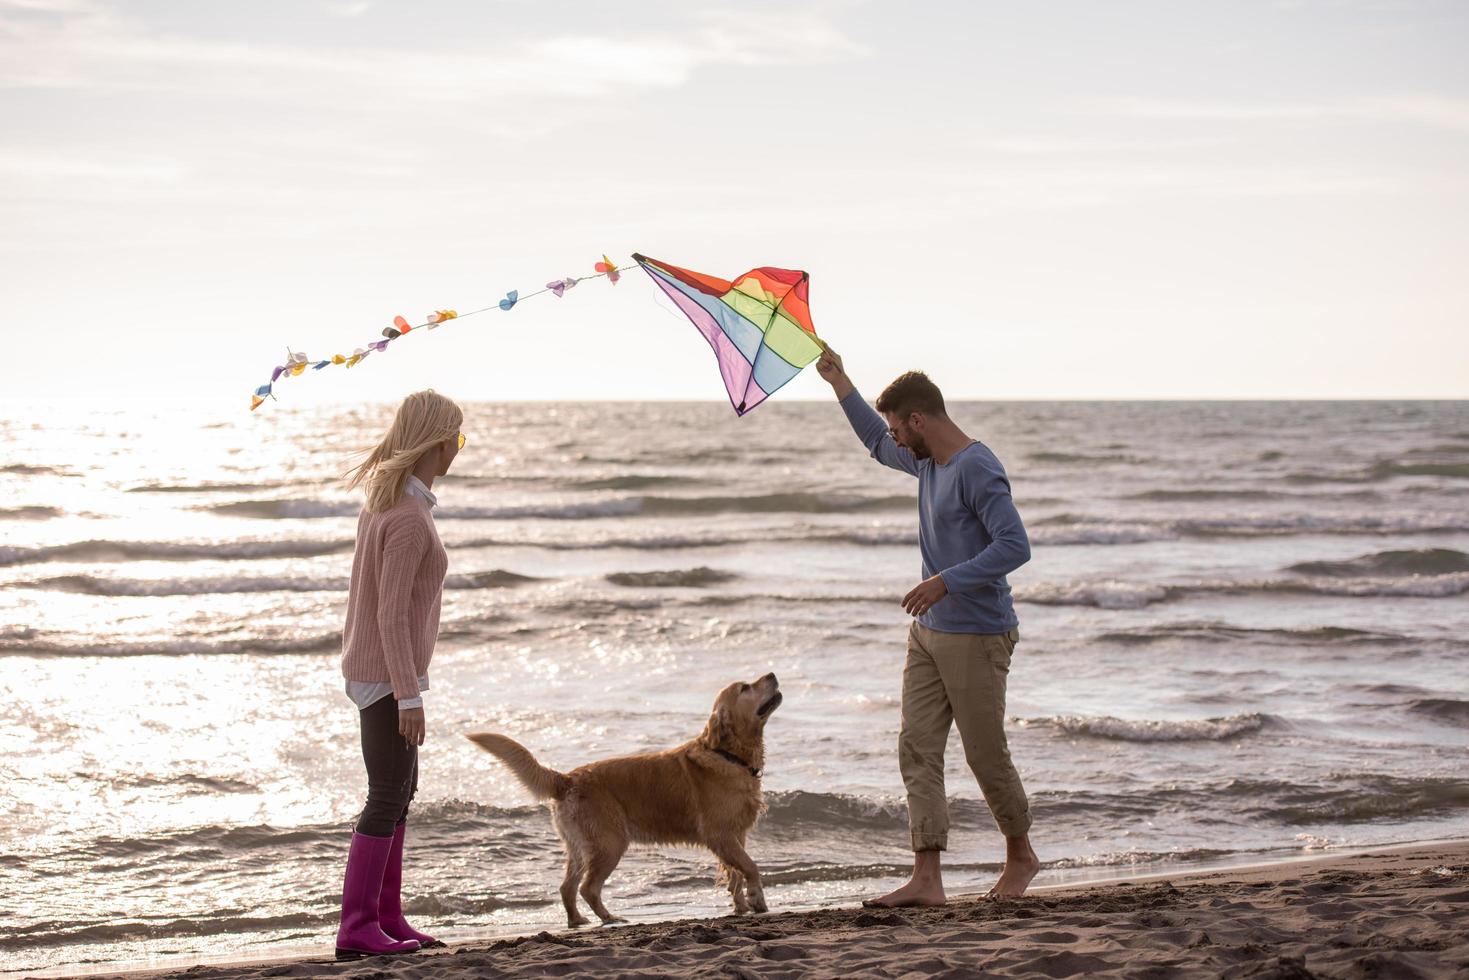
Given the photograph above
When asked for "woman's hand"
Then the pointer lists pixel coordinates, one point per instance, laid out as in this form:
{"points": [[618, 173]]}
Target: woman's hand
{"points": [[411, 725]]}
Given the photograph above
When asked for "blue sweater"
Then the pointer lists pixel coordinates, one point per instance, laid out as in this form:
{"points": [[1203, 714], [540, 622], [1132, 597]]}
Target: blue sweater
{"points": [[968, 529]]}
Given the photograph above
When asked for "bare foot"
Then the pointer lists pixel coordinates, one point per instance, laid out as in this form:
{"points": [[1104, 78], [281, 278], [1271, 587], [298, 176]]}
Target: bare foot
{"points": [[912, 895], [1016, 877]]}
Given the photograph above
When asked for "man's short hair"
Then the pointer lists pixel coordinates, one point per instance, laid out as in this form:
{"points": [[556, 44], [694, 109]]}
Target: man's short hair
{"points": [[911, 392]]}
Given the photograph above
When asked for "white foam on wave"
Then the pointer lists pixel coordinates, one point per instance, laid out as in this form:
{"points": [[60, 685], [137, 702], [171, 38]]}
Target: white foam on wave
{"points": [[1115, 594], [1107, 594], [1148, 730]]}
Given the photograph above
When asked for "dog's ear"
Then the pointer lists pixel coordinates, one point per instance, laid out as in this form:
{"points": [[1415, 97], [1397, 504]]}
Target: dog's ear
{"points": [[719, 730]]}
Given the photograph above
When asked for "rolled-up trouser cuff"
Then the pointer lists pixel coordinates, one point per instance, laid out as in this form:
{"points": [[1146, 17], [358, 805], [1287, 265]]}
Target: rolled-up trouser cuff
{"points": [[1015, 827], [929, 842]]}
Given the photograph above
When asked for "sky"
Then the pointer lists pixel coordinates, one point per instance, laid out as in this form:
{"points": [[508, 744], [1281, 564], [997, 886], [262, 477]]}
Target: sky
{"points": [[1086, 199]]}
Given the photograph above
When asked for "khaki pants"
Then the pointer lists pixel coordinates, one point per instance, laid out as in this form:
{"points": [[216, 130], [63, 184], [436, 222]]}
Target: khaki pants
{"points": [[957, 677]]}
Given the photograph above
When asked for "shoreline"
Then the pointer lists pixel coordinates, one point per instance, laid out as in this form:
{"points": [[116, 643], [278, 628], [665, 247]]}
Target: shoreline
{"points": [[1062, 930]]}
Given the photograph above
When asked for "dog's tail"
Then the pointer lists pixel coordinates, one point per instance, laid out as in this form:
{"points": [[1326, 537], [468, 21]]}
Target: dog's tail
{"points": [[543, 783]]}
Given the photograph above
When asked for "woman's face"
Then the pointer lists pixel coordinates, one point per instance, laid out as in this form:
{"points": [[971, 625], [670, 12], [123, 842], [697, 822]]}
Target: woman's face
{"points": [[449, 451]]}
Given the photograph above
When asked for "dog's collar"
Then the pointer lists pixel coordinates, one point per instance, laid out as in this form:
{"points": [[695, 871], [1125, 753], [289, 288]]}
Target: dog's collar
{"points": [[739, 762]]}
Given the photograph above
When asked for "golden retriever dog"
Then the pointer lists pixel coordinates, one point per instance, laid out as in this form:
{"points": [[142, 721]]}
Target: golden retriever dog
{"points": [[705, 792]]}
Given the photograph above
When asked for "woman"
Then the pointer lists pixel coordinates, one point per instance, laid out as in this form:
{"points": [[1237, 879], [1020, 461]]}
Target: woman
{"points": [[392, 621]]}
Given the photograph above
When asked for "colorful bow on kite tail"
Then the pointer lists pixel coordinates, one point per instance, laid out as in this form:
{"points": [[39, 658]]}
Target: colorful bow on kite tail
{"points": [[759, 325], [297, 363]]}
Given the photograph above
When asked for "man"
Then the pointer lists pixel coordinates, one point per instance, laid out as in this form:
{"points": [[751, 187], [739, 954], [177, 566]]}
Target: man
{"points": [[964, 629]]}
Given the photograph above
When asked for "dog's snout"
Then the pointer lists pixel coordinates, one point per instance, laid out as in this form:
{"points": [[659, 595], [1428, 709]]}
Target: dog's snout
{"points": [[771, 678]]}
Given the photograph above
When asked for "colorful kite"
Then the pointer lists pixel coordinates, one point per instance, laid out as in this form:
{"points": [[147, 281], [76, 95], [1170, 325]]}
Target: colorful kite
{"points": [[759, 325]]}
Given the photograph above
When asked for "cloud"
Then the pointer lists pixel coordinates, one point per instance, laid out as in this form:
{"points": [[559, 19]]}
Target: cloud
{"points": [[20, 164], [91, 48], [1053, 146], [1423, 109]]}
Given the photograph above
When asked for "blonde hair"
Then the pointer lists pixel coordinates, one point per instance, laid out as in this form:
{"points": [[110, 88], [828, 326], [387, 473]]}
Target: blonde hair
{"points": [[425, 419]]}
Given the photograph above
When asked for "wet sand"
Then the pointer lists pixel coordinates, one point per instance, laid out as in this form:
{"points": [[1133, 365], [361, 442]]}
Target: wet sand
{"points": [[1380, 913]]}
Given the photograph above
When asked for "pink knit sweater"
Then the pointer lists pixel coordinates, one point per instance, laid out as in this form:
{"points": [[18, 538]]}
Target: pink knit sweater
{"points": [[393, 606]]}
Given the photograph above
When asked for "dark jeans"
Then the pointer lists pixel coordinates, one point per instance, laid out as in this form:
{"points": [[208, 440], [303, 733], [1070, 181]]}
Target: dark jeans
{"points": [[392, 769]]}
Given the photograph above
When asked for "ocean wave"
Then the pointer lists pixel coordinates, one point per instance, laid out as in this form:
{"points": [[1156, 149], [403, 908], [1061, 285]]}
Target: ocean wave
{"points": [[1382, 470], [285, 509], [1107, 594], [1079, 459], [225, 585], [28, 642], [110, 551], [235, 584], [1185, 495], [1103, 594], [800, 810], [640, 505], [1223, 633], [30, 513], [190, 782], [207, 486], [673, 578], [1388, 469], [216, 922], [1100, 532], [1113, 859], [1113, 594], [1353, 798], [28, 469], [1425, 561], [1120, 729], [1072, 528], [632, 482], [1449, 711], [777, 503]]}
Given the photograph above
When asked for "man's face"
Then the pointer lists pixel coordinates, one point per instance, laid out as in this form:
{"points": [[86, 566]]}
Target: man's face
{"points": [[907, 431]]}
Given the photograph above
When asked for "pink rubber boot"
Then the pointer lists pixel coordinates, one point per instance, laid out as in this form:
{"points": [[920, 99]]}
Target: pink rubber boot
{"points": [[359, 934], [390, 903]]}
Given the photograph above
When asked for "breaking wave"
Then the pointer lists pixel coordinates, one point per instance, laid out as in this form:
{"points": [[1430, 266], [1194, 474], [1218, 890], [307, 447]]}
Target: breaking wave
{"points": [[1069, 528], [1224, 633], [1195, 730], [1359, 799], [27, 642], [645, 504], [171, 550], [1448, 711], [1112, 594], [1425, 561], [225, 585], [686, 577]]}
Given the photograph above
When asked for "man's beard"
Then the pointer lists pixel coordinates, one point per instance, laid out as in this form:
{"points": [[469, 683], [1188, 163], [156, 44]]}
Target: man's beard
{"points": [[919, 449]]}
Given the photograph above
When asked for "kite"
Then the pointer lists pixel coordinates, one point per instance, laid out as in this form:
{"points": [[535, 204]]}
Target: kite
{"points": [[759, 325]]}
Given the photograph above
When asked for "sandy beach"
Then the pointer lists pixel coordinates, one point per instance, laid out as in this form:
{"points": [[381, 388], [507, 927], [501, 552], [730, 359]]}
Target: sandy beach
{"points": [[1392, 912]]}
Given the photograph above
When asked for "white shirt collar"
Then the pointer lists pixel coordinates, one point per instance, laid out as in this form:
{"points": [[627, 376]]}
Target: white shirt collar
{"points": [[416, 486]]}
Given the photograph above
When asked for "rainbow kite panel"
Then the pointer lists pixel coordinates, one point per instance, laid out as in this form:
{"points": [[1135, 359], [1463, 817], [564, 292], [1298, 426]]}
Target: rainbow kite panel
{"points": [[759, 325]]}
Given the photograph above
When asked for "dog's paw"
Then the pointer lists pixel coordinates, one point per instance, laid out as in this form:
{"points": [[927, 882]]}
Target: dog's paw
{"points": [[578, 922], [613, 920], [757, 903]]}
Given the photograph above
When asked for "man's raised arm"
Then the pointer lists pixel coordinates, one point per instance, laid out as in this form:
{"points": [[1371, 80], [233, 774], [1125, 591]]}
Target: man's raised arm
{"points": [[865, 421]]}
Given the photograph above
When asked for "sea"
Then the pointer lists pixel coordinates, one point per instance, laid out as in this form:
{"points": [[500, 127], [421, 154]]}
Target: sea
{"points": [[1243, 638]]}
